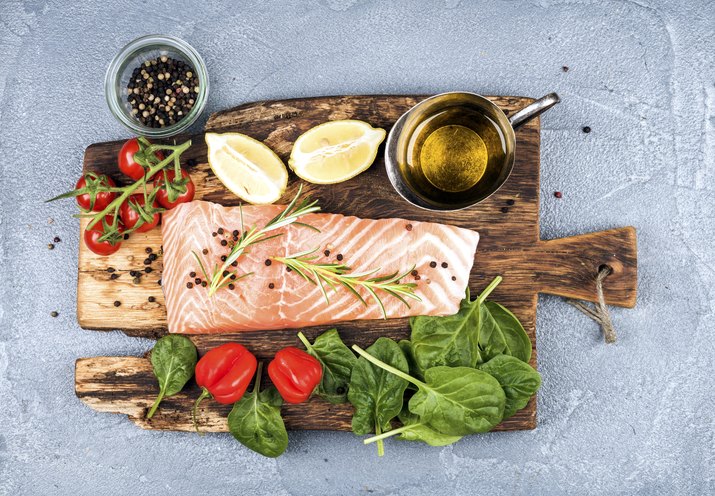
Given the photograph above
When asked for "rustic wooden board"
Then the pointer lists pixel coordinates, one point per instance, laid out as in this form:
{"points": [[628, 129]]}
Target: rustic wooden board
{"points": [[509, 246]]}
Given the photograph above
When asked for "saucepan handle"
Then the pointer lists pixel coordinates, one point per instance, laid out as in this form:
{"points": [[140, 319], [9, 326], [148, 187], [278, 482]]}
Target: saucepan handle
{"points": [[537, 108]]}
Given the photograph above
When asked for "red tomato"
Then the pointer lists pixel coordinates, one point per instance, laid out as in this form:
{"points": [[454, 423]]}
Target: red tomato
{"points": [[183, 189], [130, 216], [127, 162], [107, 246], [92, 182]]}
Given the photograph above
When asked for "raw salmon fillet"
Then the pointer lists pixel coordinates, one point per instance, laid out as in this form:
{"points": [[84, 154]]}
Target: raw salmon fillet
{"points": [[389, 244]]}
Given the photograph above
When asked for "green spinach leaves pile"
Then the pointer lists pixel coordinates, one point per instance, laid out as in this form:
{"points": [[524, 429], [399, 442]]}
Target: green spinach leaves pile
{"points": [[456, 375]]}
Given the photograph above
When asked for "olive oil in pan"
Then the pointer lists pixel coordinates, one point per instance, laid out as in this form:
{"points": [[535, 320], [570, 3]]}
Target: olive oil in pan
{"points": [[455, 153]]}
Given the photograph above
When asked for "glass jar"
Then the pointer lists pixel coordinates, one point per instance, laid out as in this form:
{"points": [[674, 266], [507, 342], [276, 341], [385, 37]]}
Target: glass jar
{"points": [[132, 56]]}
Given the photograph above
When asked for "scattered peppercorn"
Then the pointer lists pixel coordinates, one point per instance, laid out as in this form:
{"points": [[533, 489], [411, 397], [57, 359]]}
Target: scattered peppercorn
{"points": [[235, 263], [408, 227], [159, 282], [288, 269], [197, 280], [153, 257], [126, 236], [148, 249], [433, 264], [114, 276], [205, 251], [235, 233], [50, 246], [326, 253], [565, 68], [504, 210], [117, 303], [339, 257], [192, 274], [223, 243], [417, 278], [148, 270], [54, 314], [189, 285], [220, 230], [147, 261], [414, 272], [454, 278], [223, 258], [558, 194], [151, 299], [225, 273], [233, 277], [231, 287], [57, 239], [267, 262], [203, 284], [162, 91], [110, 269], [137, 280], [214, 234], [445, 265], [271, 285], [133, 273], [586, 129], [510, 202]]}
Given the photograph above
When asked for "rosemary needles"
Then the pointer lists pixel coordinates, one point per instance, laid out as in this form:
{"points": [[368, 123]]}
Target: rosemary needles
{"points": [[331, 274]]}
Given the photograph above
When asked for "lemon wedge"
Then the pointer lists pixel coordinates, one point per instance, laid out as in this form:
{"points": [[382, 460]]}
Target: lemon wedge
{"points": [[335, 151], [247, 167]]}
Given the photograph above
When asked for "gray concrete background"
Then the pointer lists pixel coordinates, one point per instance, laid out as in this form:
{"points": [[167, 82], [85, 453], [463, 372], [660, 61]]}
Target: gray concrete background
{"points": [[632, 418]]}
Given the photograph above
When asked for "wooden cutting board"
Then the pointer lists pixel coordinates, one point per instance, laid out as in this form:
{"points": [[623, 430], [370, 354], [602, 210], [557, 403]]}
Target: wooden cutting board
{"points": [[509, 246]]}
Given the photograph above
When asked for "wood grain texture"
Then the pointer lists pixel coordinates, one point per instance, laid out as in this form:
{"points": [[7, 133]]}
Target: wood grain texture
{"points": [[509, 246]]}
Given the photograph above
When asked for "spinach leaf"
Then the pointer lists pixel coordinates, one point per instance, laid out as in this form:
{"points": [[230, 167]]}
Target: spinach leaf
{"points": [[337, 361], [375, 393], [173, 359], [518, 380], [452, 400], [413, 429], [409, 351], [500, 332], [479, 331], [255, 420]]}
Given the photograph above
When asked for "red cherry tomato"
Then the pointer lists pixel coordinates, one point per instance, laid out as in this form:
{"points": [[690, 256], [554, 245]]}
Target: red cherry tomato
{"points": [[93, 182], [130, 216], [127, 161], [107, 246], [182, 189]]}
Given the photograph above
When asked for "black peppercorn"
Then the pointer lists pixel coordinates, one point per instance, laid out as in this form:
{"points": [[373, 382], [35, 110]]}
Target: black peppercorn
{"points": [[205, 251], [57, 239], [148, 270], [203, 284], [137, 280], [510, 202], [151, 299], [220, 230], [223, 242], [414, 273], [197, 280], [147, 261], [110, 269], [235, 233], [408, 227], [267, 262], [223, 258], [192, 274], [148, 249], [54, 314], [504, 210], [117, 303], [454, 278], [214, 234], [326, 253], [114, 276], [231, 287], [235, 263], [153, 257], [586, 129], [445, 265], [433, 264], [271, 285], [339, 257]]}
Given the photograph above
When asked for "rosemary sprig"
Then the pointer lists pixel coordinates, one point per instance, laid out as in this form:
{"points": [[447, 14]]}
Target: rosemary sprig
{"points": [[221, 276], [334, 274]]}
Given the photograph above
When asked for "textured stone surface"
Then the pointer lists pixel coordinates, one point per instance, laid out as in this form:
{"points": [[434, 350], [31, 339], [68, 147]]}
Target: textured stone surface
{"points": [[634, 417]]}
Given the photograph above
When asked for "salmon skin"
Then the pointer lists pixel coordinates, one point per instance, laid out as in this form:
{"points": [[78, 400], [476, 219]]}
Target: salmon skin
{"points": [[274, 298]]}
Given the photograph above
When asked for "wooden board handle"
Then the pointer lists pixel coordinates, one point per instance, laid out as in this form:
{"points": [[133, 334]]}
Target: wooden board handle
{"points": [[568, 266]]}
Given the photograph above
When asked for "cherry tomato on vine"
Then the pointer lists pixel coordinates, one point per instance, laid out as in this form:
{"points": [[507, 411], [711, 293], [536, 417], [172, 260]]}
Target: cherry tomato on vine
{"points": [[128, 161], [129, 213], [102, 229], [176, 191], [94, 199]]}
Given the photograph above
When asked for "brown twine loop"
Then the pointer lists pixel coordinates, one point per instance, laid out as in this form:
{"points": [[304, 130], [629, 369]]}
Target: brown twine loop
{"points": [[599, 311]]}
